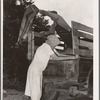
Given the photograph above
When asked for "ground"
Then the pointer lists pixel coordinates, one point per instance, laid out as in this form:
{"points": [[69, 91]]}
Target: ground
{"points": [[13, 94], [52, 91]]}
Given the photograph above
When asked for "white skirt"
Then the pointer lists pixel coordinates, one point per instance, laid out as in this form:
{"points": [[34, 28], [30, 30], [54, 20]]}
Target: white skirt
{"points": [[34, 85]]}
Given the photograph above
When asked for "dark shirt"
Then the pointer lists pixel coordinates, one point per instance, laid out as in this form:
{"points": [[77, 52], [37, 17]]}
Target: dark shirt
{"points": [[65, 35]]}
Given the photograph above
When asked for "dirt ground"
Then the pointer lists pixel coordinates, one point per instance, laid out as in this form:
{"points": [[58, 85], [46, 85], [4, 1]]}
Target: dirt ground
{"points": [[18, 95], [12, 94], [52, 90]]}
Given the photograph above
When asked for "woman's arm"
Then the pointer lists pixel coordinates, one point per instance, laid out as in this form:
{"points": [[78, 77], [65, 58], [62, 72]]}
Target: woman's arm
{"points": [[59, 54], [64, 57]]}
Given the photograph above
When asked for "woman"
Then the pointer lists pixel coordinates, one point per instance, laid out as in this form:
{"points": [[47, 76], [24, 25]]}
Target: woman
{"points": [[38, 65]]}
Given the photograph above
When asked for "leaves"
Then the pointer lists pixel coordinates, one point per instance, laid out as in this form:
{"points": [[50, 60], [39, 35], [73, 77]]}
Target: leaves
{"points": [[15, 63]]}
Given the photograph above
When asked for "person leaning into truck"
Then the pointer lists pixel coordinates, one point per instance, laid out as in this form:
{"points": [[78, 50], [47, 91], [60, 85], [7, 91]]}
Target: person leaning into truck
{"points": [[34, 75]]}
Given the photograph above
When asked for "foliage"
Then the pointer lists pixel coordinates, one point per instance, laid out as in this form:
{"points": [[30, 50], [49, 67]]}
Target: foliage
{"points": [[15, 63]]}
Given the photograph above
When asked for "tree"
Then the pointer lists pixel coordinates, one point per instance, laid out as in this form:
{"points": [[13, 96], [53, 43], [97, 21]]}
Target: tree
{"points": [[15, 63]]}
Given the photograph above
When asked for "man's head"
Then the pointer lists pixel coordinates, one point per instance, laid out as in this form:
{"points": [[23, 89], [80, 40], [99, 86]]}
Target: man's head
{"points": [[53, 40]]}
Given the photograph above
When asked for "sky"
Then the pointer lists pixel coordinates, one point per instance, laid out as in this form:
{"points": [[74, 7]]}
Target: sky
{"points": [[76, 10]]}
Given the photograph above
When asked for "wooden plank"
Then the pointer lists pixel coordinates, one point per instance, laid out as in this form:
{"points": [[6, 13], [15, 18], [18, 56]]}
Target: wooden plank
{"points": [[84, 53], [76, 33], [87, 58], [81, 34], [75, 41], [30, 45], [86, 44], [84, 39], [29, 56], [79, 26]]}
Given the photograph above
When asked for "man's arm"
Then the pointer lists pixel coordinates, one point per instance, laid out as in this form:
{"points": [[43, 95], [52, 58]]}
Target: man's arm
{"points": [[53, 16], [46, 33]]}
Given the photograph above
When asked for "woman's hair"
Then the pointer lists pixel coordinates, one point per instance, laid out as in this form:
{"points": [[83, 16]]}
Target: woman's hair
{"points": [[53, 39]]}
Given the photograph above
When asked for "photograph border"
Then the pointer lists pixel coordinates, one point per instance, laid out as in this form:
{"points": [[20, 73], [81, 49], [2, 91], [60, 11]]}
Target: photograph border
{"points": [[96, 64]]}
